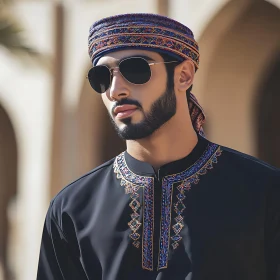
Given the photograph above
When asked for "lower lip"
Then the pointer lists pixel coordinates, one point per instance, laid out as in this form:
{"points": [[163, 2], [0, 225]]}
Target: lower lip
{"points": [[125, 114]]}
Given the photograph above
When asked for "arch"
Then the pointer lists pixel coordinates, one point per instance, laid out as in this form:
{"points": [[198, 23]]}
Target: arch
{"points": [[236, 50], [8, 187]]}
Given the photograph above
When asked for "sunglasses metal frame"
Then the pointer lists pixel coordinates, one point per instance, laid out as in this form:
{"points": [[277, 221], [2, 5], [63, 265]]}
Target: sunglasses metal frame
{"points": [[113, 69]]}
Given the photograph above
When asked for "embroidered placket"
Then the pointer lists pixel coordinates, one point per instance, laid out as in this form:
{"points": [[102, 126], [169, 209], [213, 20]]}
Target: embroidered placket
{"points": [[147, 248], [166, 204]]}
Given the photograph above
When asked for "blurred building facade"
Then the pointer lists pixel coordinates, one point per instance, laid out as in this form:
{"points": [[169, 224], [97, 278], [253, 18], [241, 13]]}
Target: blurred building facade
{"points": [[54, 128]]}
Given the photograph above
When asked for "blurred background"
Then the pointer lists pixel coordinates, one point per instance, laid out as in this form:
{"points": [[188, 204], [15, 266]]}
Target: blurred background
{"points": [[54, 128]]}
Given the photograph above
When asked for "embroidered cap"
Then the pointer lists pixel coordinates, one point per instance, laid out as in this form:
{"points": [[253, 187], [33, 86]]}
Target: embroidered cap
{"points": [[145, 31], [148, 32]]}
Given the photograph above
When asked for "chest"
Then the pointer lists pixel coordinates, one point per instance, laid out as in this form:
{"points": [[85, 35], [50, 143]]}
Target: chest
{"points": [[166, 222]]}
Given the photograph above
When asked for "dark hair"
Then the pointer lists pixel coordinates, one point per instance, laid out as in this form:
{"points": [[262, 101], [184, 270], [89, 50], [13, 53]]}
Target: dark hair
{"points": [[170, 72]]}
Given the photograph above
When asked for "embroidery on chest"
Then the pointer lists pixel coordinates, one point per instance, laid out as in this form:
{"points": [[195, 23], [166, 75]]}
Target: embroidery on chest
{"points": [[169, 230]]}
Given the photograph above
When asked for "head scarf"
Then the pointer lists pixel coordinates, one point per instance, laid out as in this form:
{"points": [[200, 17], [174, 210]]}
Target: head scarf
{"points": [[147, 32]]}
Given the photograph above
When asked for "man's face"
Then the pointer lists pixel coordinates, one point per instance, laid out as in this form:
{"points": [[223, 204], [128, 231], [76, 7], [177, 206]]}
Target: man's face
{"points": [[137, 111]]}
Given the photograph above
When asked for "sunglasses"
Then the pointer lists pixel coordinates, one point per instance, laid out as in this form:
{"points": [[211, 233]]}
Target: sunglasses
{"points": [[136, 70]]}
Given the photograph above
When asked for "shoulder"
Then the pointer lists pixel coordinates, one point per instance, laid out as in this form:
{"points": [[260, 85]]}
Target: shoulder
{"points": [[256, 175], [81, 190], [244, 163]]}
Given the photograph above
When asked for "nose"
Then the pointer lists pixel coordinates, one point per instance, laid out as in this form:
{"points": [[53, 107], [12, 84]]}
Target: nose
{"points": [[119, 88]]}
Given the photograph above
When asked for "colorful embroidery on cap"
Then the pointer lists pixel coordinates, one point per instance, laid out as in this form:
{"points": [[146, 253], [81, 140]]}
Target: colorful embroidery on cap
{"points": [[148, 31], [113, 42]]}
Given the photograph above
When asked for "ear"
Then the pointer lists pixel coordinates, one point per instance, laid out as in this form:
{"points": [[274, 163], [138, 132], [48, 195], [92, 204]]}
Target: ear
{"points": [[184, 75]]}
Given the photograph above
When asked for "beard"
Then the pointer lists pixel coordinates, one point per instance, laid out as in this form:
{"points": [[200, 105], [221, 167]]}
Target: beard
{"points": [[162, 110]]}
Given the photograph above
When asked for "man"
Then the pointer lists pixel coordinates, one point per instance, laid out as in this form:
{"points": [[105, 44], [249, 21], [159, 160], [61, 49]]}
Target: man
{"points": [[173, 205]]}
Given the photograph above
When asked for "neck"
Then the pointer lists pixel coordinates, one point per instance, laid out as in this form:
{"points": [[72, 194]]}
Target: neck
{"points": [[173, 141]]}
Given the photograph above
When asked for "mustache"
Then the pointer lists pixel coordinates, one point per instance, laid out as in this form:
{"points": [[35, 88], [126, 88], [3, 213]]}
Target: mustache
{"points": [[125, 102]]}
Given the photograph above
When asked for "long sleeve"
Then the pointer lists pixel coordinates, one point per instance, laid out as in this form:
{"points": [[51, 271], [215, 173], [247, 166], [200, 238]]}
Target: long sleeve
{"points": [[56, 261], [273, 232]]}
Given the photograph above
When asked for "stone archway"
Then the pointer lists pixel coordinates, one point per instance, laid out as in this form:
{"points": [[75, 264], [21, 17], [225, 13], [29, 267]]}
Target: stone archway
{"points": [[8, 187], [268, 116], [236, 49]]}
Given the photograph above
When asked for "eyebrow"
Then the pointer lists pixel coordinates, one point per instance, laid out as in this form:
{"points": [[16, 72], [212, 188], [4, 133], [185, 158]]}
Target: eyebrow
{"points": [[118, 60]]}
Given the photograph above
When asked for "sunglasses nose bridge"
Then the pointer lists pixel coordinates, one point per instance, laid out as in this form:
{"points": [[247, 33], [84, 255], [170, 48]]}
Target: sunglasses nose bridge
{"points": [[114, 69]]}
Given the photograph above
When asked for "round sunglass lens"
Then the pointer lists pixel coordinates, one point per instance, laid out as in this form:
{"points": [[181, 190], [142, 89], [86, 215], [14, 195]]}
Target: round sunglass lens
{"points": [[99, 78], [135, 70]]}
